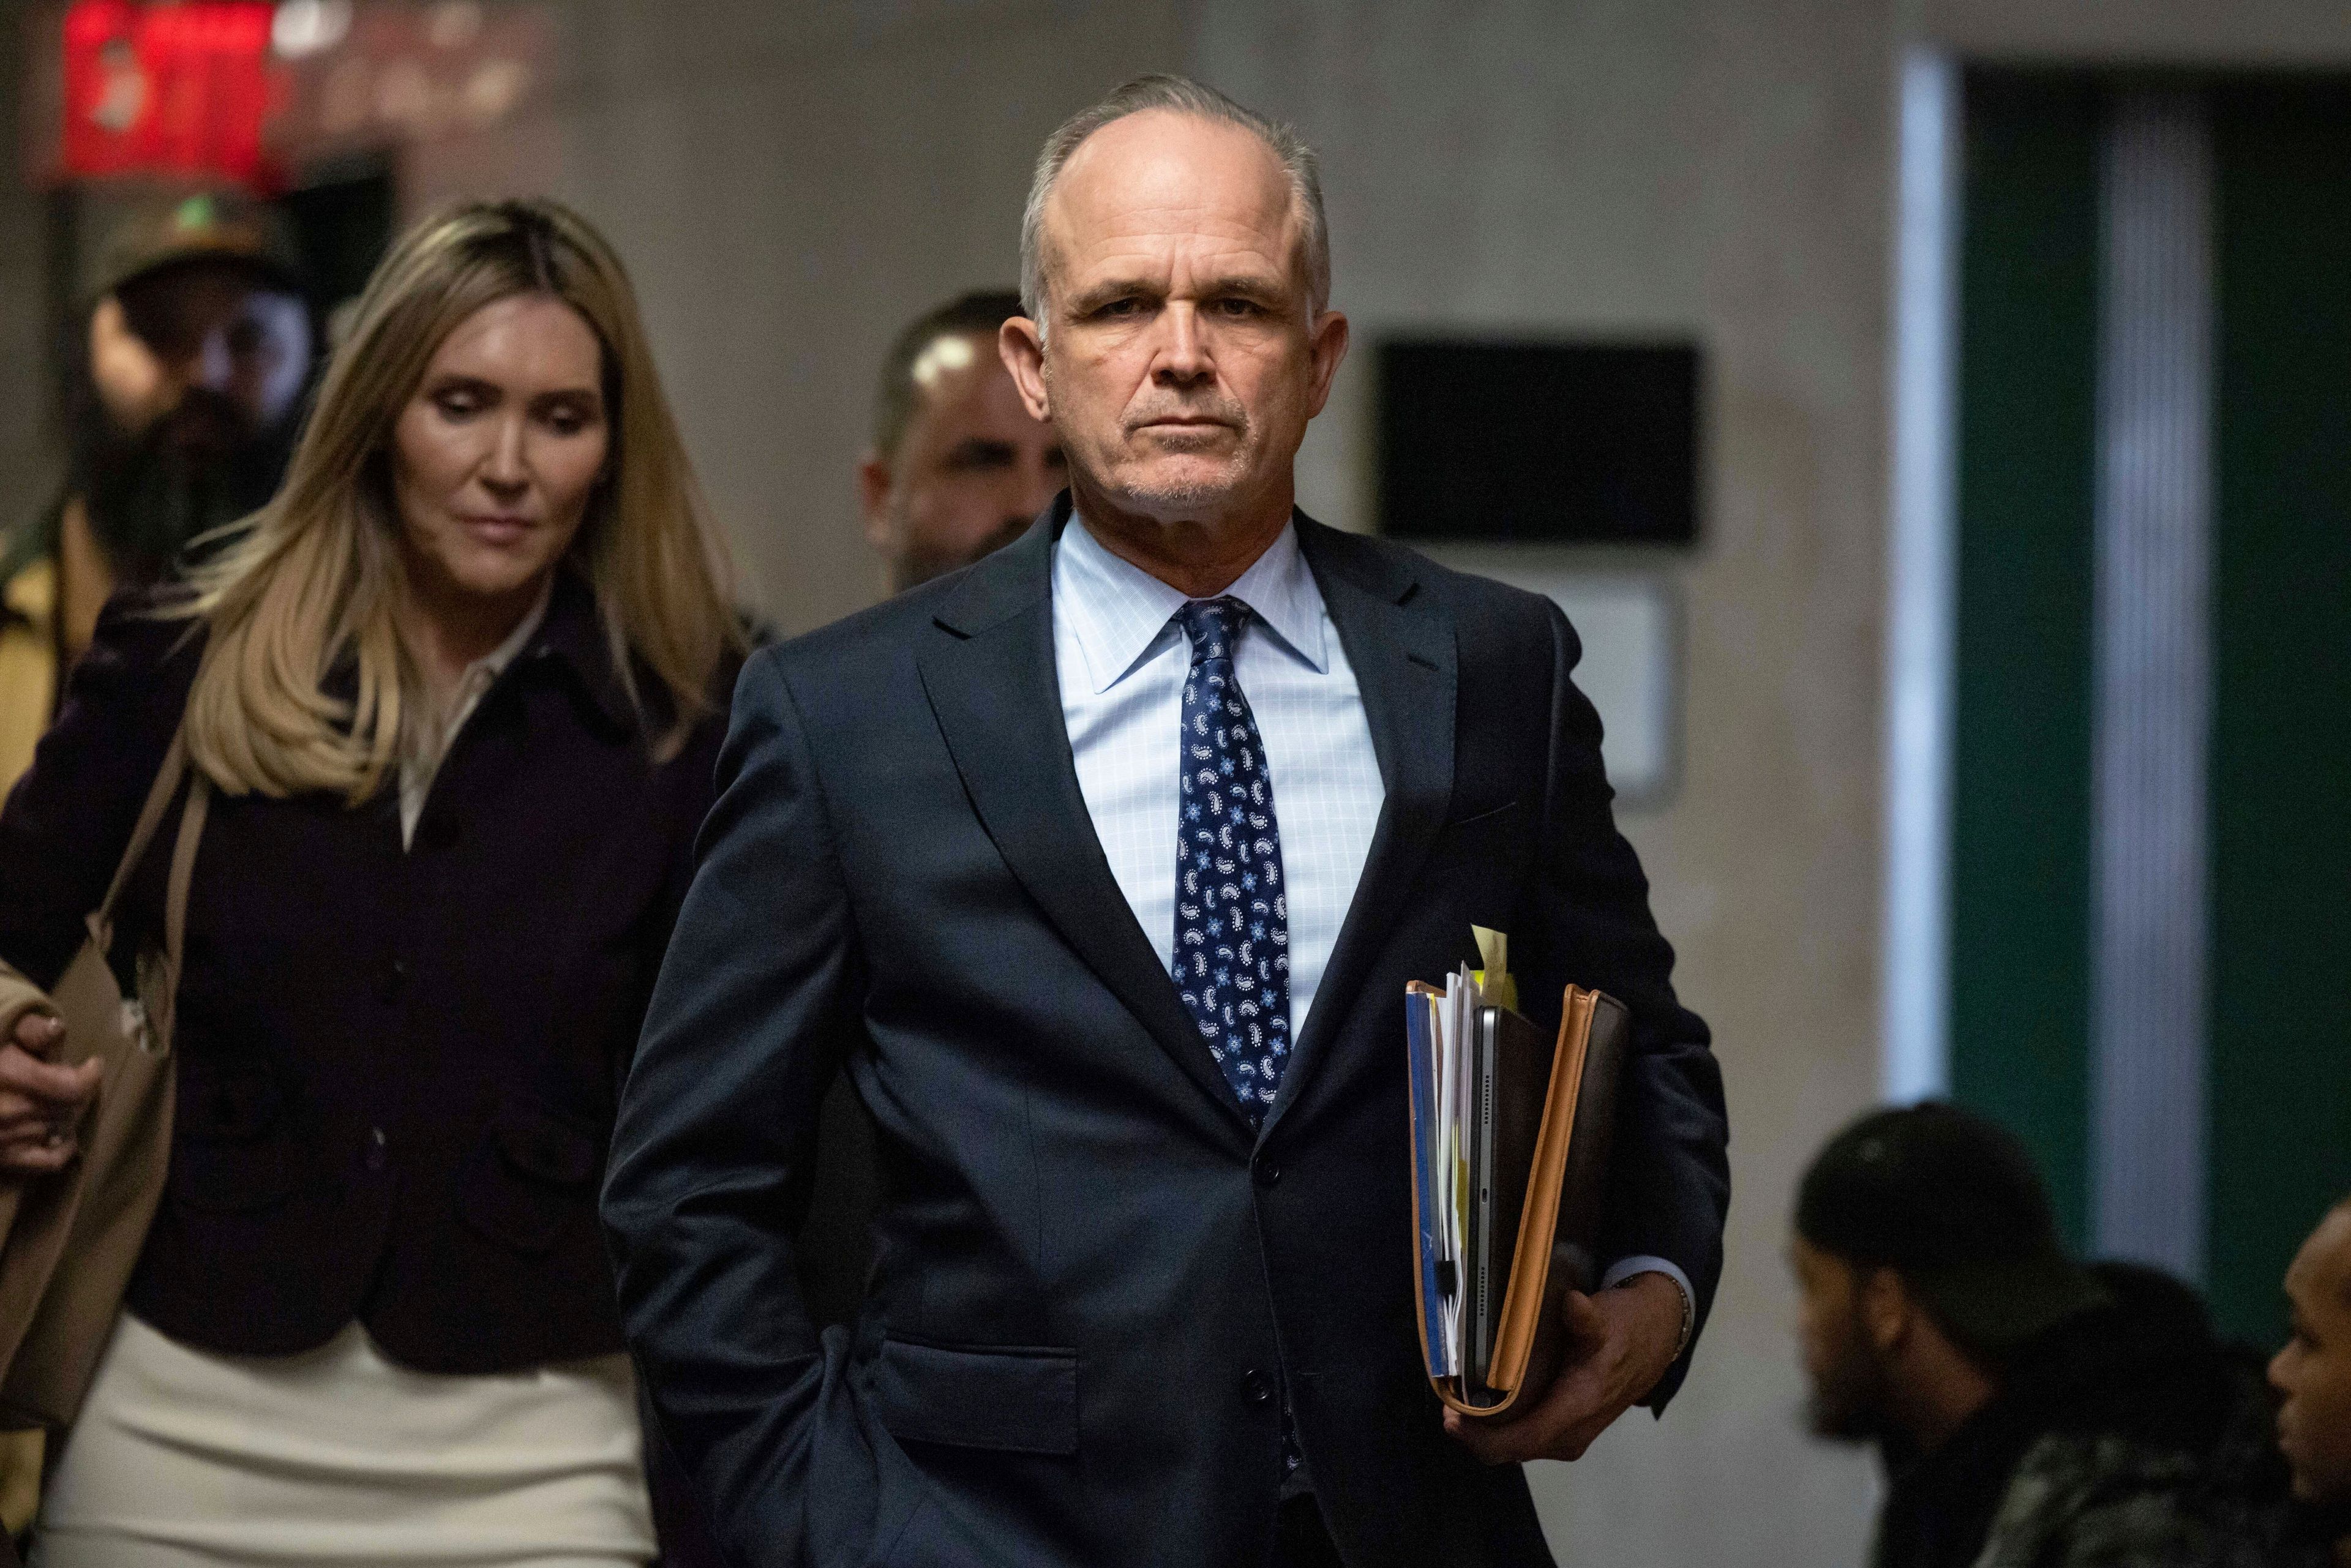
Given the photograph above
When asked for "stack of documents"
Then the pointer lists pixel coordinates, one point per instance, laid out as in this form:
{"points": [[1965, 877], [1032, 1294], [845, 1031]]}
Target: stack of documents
{"points": [[1509, 1156]]}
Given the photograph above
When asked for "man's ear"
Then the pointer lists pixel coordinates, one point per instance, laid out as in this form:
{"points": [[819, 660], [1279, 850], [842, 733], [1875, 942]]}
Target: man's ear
{"points": [[1326, 342], [873, 480], [1884, 1307], [1021, 343]]}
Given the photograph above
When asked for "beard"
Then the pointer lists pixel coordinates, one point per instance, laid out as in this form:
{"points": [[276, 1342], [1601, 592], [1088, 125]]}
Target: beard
{"points": [[1849, 1396], [150, 495]]}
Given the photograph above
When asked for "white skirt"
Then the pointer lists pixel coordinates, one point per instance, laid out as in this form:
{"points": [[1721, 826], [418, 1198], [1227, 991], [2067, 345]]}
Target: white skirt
{"points": [[183, 1459]]}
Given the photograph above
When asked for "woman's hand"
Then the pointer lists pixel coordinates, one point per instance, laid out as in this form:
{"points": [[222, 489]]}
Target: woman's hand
{"points": [[40, 1101]]}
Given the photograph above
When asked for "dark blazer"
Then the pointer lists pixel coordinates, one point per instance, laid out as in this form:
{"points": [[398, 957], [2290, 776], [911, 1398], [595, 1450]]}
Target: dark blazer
{"points": [[397, 1070], [1094, 1286]]}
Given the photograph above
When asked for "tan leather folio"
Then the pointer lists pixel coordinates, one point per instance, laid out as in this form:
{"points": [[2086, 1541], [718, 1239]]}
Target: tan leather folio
{"points": [[1508, 1207]]}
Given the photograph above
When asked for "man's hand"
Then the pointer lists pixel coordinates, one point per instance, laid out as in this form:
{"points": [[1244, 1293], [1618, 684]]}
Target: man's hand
{"points": [[40, 1101], [1619, 1343]]}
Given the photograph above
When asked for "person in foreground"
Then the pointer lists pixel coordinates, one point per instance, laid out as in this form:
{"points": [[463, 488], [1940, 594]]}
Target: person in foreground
{"points": [[2031, 1412], [959, 466], [1143, 1291], [2313, 1374], [457, 690]]}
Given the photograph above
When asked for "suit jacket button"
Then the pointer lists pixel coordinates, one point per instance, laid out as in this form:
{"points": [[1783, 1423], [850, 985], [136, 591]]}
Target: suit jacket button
{"points": [[379, 1152], [1268, 1173], [1255, 1387]]}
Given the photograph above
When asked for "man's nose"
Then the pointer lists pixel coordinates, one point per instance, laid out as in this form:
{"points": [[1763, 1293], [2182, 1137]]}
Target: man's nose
{"points": [[215, 365], [1184, 355]]}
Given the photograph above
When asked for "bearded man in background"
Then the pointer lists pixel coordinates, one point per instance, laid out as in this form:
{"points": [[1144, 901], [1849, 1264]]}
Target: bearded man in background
{"points": [[197, 346]]}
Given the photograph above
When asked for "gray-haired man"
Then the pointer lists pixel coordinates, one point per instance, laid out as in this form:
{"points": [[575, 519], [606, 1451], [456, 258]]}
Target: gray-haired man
{"points": [[1102, 867]]}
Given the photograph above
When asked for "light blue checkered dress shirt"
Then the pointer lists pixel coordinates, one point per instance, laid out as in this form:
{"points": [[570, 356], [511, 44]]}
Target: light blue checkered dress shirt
{"points": [[1122, 658]]}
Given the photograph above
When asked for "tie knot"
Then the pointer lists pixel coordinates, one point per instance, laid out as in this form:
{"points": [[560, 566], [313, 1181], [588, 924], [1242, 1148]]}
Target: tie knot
{"points": [[1213, 625]]}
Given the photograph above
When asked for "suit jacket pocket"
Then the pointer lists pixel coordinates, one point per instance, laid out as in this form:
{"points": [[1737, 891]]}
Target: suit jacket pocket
{"points": [[532, 1177], [232, 1147], [1013, 1400], [1487, 816]]}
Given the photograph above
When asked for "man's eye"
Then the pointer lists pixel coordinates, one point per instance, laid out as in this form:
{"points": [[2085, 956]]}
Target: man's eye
{"points": [[1236, 307], [1121, 308]]}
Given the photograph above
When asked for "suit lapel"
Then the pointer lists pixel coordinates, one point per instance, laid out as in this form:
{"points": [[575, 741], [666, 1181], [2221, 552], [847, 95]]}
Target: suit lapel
{"points": [[987, 669], [1402, 647]]}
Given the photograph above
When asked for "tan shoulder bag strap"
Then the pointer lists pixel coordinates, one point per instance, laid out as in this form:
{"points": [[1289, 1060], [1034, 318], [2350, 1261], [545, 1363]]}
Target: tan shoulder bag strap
{"points": [[100, 920], [175, 904]]}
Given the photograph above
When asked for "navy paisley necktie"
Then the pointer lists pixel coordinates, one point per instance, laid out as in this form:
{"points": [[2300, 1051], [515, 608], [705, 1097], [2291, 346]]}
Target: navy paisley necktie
{"points": [[1232, 912]]}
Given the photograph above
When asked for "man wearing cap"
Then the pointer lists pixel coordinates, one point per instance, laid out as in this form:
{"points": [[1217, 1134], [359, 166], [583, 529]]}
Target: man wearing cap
{"points": [[2030, 1412], [181, 413]]}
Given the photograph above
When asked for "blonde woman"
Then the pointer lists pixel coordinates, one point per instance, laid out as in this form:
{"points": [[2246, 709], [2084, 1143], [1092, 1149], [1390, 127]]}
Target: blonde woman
{"points": [[458, 689]]}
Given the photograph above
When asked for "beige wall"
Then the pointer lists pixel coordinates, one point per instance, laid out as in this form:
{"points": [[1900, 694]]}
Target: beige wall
{"points": [[2288, 33]]}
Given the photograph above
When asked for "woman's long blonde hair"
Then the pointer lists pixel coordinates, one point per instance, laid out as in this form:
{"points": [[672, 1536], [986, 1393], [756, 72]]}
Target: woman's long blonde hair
{"points": [[311, 580]]}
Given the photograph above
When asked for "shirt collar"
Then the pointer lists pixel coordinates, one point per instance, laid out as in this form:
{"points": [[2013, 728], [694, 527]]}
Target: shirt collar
{"points": [[1119, 611], [493, 663], [473, 681]]}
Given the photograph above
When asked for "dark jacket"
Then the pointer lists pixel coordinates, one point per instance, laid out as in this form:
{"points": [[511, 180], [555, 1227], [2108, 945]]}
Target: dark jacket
{"points": [[1096, 1288], [2128, 1437], [397, 1071]]}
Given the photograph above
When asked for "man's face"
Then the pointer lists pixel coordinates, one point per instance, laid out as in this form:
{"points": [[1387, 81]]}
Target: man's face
{"points": [[198, 373], [209, 350], [2313, 1371], [1182, 357], [1847, 1375], [972, 469]]}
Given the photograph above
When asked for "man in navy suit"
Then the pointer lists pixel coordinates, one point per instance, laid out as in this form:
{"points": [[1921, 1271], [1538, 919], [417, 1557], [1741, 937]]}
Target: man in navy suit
{"points": [[1101, 867]]}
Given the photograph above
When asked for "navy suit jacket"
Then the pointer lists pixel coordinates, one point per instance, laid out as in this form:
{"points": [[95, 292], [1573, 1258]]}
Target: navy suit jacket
{"points": [[1094, 1285]]}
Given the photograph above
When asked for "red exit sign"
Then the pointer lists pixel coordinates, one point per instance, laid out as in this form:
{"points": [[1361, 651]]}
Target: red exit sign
{"points": [[179, 90]]}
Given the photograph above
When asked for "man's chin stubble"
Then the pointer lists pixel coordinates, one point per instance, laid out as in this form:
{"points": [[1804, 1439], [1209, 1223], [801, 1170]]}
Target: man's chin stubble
{"points": [[1183, 499], [1176, 501]]}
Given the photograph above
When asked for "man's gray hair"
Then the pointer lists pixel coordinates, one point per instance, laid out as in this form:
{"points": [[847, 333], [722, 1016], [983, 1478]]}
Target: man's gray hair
{"points": [[1182, 96]]}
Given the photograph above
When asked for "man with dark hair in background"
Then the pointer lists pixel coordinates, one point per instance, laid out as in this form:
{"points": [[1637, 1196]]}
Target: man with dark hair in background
{"points": [[2031, 1413], [182, 406], [958, 466], [2314, 1373]]}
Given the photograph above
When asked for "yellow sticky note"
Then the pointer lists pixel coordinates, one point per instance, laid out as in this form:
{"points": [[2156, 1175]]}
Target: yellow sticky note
{"points": [[1495, 979]]}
